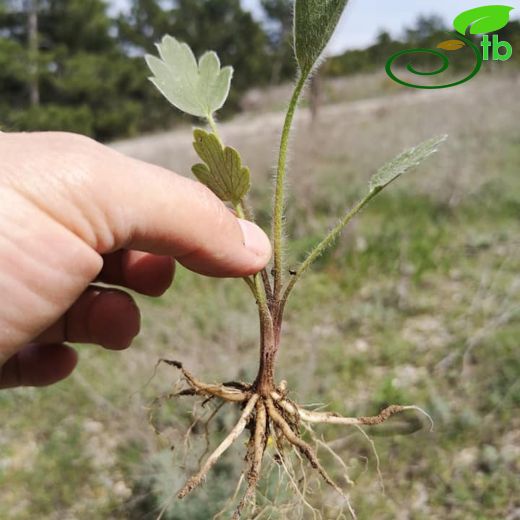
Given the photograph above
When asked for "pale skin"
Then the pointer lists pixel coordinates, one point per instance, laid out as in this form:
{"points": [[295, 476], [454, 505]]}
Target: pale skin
{"points": [[74, 213]]}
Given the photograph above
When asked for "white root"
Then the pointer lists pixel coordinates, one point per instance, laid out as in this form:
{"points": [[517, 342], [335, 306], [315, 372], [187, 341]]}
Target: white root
{"points": [[315, 513], [257, 453], [283, 418], [305, 449], [325, 446], [197, 479], [231, 499], [376, 455], [224, 392], [332, 418]]}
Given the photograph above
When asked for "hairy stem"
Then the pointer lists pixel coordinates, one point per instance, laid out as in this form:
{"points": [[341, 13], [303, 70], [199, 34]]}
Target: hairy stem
{"points": [[213, 125], [264, 383], [244, 212], [239, 208], [278, 210], [252, 281], [261, 288], [249, 215]]}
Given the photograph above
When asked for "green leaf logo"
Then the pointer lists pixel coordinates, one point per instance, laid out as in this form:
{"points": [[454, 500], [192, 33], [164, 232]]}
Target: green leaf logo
{"points": [[222, 172], [314, 23], [404, 162], [199, 89], [483, 20]]}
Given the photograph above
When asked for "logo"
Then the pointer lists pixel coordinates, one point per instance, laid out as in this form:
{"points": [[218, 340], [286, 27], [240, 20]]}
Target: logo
{"points": [[479, 21]]}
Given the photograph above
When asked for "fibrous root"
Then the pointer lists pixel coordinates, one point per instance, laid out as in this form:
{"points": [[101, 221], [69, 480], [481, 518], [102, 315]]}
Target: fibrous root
{"points": [[266, 417]]}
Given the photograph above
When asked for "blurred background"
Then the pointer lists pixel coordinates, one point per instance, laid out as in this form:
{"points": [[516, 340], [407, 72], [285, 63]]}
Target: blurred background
{"points": [[419, 303]]}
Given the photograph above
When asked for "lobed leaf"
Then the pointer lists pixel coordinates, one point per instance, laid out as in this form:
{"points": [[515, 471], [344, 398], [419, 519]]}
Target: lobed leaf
{"points": [[404, 162], [483, 20], [199, 89], [223, 172], [314, 24]]}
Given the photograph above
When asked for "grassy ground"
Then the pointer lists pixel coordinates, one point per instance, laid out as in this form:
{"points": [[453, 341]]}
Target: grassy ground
{"points": [[419, 303]]}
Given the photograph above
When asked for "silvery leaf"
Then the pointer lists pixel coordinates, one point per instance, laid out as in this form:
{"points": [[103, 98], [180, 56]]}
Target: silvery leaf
{"points": [[404, 162], [198, 89], [314, 24]]}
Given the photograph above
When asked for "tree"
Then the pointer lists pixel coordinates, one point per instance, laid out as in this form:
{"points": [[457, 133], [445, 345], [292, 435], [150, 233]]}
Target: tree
{"points": [[425, 28], [279, 15], [224, 26], [80, 25], [219, 25], [33, 47], [144, 25], [74, 76], [14, 74]]}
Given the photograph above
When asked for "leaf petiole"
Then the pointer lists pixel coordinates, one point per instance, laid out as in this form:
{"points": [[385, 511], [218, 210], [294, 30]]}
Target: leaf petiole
{"points": [[382, 178], [322, 246], [255, 282], [213, 125]]}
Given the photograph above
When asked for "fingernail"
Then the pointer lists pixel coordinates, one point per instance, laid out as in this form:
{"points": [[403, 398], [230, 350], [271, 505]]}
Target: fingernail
{"points": [[255, 239]]}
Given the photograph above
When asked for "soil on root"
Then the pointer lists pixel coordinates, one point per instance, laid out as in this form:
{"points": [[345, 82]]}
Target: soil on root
{"points": [[265, 415]]}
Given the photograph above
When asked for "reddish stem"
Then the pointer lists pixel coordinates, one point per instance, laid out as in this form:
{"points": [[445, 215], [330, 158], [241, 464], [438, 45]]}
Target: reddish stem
{"points": [[270, 328]]}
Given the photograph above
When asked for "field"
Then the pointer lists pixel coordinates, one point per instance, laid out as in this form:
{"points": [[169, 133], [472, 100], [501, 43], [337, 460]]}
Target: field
{"points": [[418, 304]]}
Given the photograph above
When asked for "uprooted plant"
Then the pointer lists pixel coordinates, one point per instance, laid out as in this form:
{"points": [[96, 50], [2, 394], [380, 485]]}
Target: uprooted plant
{"points": [[200, 89]]}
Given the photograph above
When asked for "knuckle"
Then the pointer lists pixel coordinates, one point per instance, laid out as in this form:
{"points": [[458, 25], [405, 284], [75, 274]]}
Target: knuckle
{"points": [[84, 159]]}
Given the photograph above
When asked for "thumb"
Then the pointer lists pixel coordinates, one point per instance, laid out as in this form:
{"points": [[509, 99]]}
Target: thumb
{"points": [[152, 209]]}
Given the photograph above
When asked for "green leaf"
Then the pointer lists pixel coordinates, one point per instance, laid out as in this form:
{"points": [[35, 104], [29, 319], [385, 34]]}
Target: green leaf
{"points": [[314, 24], [222, 172], [483, 20], [404, 162], [199, 89]]}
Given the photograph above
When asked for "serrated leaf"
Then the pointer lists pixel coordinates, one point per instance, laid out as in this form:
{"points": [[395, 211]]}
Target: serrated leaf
{"points": [[223, 172], [483, 20], [451, 45], [314, 24], [404, 162], [199, 89]]}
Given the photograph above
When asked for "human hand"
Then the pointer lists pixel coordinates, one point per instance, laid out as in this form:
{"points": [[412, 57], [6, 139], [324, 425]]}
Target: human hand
{"points": [[72, 212]]}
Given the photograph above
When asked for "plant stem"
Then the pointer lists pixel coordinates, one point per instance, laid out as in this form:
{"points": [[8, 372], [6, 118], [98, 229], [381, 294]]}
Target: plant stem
{"points": [[264, 383], [251, 284], [255, 283], [270, 318], [279, 200], [268, 344], [243, 212], [239, 208], [324, 245], [249, 215], [213, 126]]}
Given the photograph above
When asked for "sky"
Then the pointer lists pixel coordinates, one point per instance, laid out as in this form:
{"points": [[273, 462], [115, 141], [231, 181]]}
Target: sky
{"points": [[364, 19]]}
